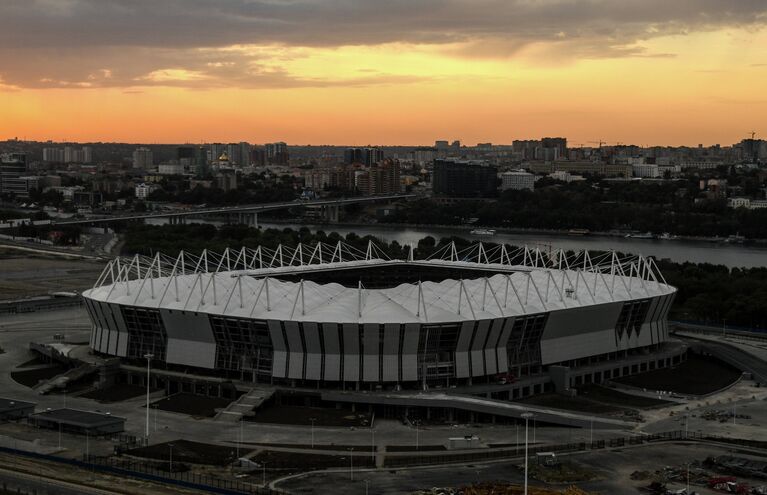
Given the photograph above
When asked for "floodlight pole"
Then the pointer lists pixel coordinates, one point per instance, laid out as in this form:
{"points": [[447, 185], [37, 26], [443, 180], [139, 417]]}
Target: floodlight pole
{"points": [[527, 417], [148, 357]]}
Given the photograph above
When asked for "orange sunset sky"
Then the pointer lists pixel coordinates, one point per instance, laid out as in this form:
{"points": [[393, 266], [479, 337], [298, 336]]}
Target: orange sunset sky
{"points": [[361, 72]]}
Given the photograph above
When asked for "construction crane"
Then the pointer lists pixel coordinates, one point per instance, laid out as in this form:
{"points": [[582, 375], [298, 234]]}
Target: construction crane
{"points": [[600, 143]]}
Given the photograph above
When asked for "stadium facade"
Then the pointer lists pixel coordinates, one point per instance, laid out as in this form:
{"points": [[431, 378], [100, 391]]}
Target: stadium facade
{"points": [[332, 316]]}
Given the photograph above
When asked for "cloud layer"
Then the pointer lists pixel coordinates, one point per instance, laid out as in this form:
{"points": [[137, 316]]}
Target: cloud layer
{"points": [[241, 43]]}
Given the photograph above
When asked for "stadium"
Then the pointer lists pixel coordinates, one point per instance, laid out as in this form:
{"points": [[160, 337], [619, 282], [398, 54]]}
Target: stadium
{"points": [[334, 317]]}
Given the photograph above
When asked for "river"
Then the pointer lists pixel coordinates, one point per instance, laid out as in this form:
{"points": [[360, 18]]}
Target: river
{"points": [[717, 253], [730, 255]]}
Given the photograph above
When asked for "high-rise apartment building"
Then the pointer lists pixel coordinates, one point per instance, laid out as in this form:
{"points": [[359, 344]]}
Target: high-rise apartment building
{"points": [[464, 178], [143, 158], [13, 167], [68, 154], [277, 153]]}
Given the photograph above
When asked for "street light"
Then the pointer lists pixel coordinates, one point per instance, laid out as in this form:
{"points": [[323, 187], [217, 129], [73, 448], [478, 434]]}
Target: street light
{"points": [[351, 463], [416, 433], [149, 356], [239, 441], [170, 458], [527, 417], [373, 445], [263, 471], [312, 420]]}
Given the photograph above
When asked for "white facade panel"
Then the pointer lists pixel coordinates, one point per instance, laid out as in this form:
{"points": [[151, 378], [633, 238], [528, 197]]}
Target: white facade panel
{"points": [[295, 350], [280, 356], [491, 363], [351, 336], [410, 352], [462, 350], [371, 348], [313, 351], [477, 348], [391, 353], [191, 353], [332, 372]]}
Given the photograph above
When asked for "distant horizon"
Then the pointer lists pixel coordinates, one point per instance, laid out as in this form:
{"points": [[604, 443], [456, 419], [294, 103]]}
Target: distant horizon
{"points": [[320, 145]]}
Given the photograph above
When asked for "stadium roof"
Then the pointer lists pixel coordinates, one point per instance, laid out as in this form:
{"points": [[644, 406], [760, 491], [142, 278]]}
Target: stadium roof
{"points": [[245, 283]]}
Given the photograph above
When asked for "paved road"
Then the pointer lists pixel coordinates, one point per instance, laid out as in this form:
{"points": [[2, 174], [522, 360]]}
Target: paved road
{"points": [[748, 356]]}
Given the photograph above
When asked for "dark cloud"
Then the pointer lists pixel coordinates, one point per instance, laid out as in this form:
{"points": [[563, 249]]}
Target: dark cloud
{"points": [[86, 43]]}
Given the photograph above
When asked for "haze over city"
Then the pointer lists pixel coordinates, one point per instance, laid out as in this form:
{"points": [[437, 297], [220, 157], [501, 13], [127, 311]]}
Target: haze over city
{"points": [[338, 72]]}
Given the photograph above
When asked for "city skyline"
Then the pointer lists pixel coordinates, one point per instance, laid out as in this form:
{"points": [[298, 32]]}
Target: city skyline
{"points": [[651, 73]]}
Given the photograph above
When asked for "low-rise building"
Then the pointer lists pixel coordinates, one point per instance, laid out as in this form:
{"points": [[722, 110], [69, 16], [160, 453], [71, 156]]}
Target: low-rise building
{"points": [[143, 190], [517, 180]]}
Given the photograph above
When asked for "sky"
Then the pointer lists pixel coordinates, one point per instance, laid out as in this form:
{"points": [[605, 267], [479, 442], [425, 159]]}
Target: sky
{"points": [[358, 72]]}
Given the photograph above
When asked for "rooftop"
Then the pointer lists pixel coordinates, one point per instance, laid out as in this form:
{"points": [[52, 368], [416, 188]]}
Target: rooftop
{"points": [[280, 284]]}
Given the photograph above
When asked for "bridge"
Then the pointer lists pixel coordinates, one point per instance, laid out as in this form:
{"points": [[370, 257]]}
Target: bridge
{"points": [[245, 214]]}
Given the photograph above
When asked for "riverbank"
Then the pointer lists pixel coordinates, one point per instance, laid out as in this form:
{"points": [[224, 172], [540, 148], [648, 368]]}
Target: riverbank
{"points": [[465, 229], [678, 250]]}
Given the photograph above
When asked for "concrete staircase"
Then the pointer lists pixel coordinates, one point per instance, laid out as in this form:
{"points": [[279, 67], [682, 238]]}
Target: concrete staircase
{"points": [[245, 405], [61, 381]]}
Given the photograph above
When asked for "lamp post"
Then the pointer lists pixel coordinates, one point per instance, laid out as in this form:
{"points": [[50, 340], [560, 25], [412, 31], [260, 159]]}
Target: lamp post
{"points": [[149, 356], [351, 463], [416, 433], [527, 417], [263, 473], [372, 446], [312, 420], [170, 458], [239, 440]]}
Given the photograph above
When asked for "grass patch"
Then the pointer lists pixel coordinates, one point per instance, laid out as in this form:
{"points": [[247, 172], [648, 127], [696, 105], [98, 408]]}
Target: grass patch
{"points": [[699, 375], [558, 401], [188, 451], [300, 415], [30, 378], [193, 405], [307, 462], [116, 393], [607, 395]]}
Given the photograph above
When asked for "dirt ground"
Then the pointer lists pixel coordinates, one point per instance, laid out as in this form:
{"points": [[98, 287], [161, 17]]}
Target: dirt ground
{"points": [[193, 405], [300, 415], [572, 403], [607, 395], [24, 275], [187, 451], [697, 376], [307, 462], [116, 393], [357, 448], [30, 378]]}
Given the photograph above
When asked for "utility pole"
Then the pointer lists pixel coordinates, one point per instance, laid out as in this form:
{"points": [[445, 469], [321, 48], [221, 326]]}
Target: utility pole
{"points": [[312, 421]]}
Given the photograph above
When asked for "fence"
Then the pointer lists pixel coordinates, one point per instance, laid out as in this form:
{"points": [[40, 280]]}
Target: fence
{"points": [[145, 471]]}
